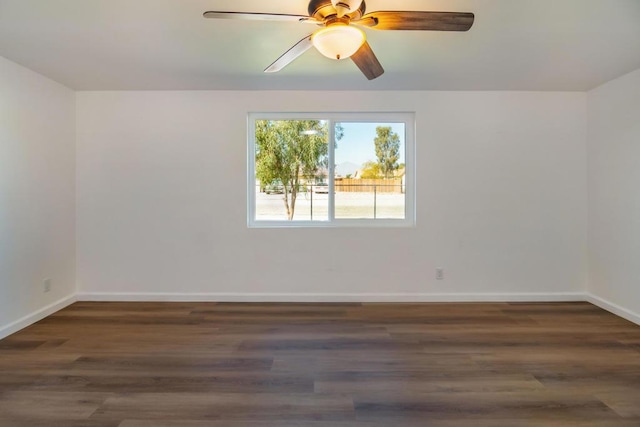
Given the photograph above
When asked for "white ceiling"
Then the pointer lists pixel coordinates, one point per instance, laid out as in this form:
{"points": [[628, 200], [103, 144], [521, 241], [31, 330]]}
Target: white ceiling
{"points": [[167, 44]]}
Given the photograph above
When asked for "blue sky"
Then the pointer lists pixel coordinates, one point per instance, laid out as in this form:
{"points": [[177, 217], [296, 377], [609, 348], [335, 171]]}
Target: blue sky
{"points": [[357, 145]]}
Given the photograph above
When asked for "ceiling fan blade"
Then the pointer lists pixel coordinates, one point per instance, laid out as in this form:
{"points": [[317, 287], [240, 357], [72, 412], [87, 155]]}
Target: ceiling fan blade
{"points": [[366, 60], [259, 16], [289, 56], [425, 21]]}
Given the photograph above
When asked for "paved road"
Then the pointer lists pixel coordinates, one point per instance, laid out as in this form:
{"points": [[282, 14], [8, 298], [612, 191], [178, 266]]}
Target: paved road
{"points": [[348, 205]]}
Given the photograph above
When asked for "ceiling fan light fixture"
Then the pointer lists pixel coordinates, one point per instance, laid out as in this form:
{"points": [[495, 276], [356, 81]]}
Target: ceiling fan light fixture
{"points": [[338, 41]]}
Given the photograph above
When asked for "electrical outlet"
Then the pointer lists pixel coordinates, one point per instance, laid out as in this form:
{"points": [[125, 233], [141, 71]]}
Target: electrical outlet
{"points": [[46, 285], [439, 273]]}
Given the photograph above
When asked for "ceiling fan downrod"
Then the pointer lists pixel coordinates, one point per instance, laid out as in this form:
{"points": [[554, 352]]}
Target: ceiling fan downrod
{"points": [[344, 7]]}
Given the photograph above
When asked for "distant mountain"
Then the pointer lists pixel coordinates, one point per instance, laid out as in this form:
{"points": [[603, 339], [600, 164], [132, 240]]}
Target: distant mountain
{"points": [[346, 168]]}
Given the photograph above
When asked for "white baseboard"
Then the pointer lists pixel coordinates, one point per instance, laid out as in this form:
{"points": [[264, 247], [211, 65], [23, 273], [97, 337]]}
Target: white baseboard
{"points": [[36, 316], [614, 308], [326, 297], [319, 297]]}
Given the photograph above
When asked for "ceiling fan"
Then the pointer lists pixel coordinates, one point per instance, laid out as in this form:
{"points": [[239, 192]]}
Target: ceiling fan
{"points": [[340, 37]]}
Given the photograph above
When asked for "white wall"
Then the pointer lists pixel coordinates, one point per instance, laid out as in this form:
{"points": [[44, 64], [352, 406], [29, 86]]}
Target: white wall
{"points": [[37, 196], [614, 194], [501, 200]]}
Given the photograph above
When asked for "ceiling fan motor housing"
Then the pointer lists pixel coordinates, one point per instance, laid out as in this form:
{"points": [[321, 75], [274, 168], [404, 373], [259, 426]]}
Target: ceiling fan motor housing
{"points": [[321, 9]]}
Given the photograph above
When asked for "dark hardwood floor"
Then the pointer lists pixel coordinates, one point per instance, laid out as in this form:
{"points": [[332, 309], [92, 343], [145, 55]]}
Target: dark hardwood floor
{"points": [[342, 365]]}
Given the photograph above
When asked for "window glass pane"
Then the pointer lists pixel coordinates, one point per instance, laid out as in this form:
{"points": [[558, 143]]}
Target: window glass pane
{"points": [[369, 170], [291, 160]]}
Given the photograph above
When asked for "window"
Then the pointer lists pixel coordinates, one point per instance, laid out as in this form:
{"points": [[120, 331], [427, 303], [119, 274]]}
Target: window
{"points": [[331, 169]]}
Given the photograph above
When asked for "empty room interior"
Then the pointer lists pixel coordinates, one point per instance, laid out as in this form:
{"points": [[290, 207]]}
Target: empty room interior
{"points": [[319, 213]]}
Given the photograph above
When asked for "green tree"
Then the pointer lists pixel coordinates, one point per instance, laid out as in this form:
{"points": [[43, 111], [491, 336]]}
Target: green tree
{"points": [[288, 151], [370, 170], [387, 150]]}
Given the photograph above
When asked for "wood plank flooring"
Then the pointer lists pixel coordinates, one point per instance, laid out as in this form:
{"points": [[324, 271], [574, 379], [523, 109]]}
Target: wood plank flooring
{"points": [[339, 365]]}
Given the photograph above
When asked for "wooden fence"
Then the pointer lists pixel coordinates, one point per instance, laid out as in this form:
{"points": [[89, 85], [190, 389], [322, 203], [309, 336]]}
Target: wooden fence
{"points": [[350, 185]]}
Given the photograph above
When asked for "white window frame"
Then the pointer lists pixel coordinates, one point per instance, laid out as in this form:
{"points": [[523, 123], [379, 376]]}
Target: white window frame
{"points": [[378, 117]]}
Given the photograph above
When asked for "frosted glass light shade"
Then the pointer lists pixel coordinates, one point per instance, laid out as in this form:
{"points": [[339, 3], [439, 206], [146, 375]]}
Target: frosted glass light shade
{"points": [[338, 41]]}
